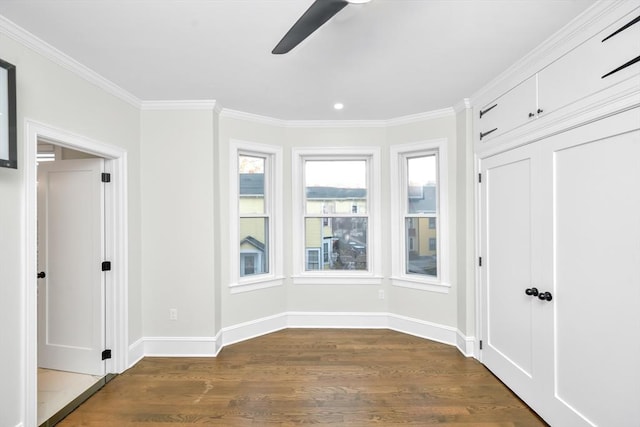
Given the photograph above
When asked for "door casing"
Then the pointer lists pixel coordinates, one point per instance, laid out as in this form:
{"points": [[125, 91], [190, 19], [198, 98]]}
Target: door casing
{"points": [[116, 219]]}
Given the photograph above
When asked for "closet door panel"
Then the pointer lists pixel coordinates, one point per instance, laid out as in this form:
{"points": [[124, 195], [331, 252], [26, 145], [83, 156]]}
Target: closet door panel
{"points": [[508, 248], [596, 277]]}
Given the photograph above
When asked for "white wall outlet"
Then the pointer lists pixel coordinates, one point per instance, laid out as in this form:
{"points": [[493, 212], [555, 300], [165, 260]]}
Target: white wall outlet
{"points": [[381, 294], [173, 314]]}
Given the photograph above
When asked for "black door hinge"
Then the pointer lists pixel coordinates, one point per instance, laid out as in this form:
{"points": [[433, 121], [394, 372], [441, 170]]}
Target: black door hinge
{"points": [[479, 177], [106, 266], [106, 177], [479, 261], [480, 344], [106, 354], [483, 112]]}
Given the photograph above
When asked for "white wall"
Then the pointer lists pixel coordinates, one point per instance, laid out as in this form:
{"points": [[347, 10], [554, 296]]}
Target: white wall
{"points": [[177, 177], [51, 94]]}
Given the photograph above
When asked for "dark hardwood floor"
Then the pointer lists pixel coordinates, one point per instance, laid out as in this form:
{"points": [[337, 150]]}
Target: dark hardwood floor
{"points": [[310, 376]]}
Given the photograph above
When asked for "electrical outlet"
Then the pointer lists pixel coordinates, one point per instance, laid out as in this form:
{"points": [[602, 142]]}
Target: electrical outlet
{"points": [[173, 314], [381, 294]]}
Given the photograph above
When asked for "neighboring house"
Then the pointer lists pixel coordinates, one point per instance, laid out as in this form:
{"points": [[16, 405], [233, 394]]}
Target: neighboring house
{"points": [[253, 234], [335, 242], [422, 243], [330, 242]]}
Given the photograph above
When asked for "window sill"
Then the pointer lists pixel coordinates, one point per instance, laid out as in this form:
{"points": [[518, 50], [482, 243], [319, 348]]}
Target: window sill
{"points": [[423, 285], [256, 284], [337, 280]]}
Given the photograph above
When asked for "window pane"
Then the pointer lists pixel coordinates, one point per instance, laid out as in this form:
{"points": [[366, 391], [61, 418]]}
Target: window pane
{"points": [[251, 184], [336, 186], [421, 180], [340, 243], [421, 247], [254, 246], [313, 259]]}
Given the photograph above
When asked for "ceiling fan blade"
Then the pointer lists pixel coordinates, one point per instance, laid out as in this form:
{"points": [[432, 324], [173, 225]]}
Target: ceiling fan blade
{"points": [[317, 14]]}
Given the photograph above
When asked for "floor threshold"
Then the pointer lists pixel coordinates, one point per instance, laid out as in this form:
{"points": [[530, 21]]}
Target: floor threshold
{"points": [[71, 406]]}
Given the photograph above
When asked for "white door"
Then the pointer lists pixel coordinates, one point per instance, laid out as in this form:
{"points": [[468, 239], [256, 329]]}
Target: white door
{"points": [[71, 314], [509, 269], [594, 269]]}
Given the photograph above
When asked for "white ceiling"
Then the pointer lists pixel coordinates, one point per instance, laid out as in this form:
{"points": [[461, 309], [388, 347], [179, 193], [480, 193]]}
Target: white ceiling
{"points": [[384, 59]]}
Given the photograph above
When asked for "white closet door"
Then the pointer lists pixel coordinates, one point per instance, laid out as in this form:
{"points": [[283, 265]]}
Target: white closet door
{"points": [[594, 259], [509, 198]]}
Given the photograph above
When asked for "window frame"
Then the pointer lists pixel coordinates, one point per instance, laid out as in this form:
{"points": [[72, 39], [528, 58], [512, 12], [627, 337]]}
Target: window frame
{"points": [[371, 276], [399, 154], [273, 209]]}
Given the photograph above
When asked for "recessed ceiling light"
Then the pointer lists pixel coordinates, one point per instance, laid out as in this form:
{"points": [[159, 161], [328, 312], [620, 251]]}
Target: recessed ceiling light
{"points": [[338, 105]]}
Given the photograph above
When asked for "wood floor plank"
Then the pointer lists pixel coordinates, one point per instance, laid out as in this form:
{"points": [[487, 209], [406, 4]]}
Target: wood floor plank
{"points": [[321, 377]]}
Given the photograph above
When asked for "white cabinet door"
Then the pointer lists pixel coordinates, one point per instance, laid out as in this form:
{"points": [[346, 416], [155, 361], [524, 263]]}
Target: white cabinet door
{"points": [[513, 109], [509, 268], [592, 263], [580, 72]]}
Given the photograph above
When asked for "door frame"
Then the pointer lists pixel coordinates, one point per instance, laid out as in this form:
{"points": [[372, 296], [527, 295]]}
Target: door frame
{"points": [[116, 283]]}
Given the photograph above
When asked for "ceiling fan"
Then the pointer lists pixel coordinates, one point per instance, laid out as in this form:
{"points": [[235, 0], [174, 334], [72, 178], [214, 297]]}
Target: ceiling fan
{"points": [[314, 17]]}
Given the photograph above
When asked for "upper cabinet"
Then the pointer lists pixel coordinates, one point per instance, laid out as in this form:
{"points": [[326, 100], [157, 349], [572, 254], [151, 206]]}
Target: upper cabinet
{"points": [[607, 58], [601, 62], [510, 111]]}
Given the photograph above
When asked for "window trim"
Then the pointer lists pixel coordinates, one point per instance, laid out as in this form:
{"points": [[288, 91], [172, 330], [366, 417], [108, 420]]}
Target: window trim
{"points": [[373, 276], [399, 193], [273, 191]]}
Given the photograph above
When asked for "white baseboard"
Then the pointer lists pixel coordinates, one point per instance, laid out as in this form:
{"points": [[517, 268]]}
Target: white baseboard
{"points": [[466, 344], [342, 320], [252, 329], [211, 346], [423, 329], [218, 342], [136, 352], [180, 346]]}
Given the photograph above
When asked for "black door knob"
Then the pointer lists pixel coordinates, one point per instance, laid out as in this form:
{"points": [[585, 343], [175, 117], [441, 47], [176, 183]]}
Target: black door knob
{"points": [[42, 275], [540, 110], [531, 115], [545, 296], [532, 291]]}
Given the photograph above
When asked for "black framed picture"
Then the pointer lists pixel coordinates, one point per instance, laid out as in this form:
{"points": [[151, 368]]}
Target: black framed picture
{"points": [[8, 130]]}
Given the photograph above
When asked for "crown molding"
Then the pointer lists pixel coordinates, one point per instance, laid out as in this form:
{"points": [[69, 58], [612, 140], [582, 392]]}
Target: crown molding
{"points": [[255, 118], [463, 104], [420, 117], [271, 121], [15, 32], [205, 104], [564, 40]]}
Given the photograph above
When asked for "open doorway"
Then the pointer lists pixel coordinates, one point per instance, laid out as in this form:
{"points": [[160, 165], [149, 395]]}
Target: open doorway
{"points": [[113, 294], [71, 230]]}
